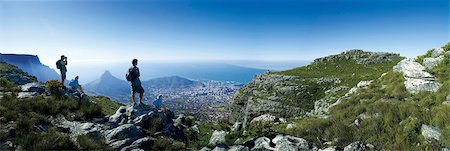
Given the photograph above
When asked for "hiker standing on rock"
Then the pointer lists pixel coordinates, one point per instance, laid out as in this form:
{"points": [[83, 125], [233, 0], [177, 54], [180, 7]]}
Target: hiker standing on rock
{"points": [[61, 65], [136, 87]]}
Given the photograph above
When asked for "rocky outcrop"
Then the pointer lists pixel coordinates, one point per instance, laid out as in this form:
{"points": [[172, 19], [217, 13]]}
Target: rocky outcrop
{"points": [[431, 132], [261, 96], [416, 78], [360, 56]]}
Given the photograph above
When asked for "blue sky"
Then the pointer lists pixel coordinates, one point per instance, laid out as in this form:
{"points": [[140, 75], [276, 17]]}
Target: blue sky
{"points": [[175, 30]]}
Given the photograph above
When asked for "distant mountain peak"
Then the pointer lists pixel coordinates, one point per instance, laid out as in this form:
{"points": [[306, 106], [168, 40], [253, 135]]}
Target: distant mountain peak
{"points": [[107, 74]]}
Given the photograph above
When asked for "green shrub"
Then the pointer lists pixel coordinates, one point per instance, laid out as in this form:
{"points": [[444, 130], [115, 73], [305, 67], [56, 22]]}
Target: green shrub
{"points": [[51, 140], [54, 87], [167, 144], [87, 143], [446, 47], [7, 86]]}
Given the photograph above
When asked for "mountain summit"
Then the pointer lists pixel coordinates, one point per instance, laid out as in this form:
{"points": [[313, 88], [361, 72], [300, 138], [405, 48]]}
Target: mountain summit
{"points": [[108, 85]]}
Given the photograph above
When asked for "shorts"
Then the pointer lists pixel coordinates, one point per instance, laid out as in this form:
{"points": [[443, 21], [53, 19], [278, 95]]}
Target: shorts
{"points": [[137, 89]]}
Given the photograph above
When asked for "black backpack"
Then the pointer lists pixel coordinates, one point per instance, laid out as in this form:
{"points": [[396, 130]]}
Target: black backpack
{"points": [[58, 64], [129, 76]]}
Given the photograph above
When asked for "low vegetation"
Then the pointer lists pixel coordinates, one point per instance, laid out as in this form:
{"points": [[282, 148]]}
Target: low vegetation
{"points": [[32, 116], [387, 116]]}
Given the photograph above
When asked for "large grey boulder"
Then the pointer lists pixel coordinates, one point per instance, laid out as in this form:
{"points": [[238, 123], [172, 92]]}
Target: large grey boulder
{"points": [[79, 128], [416, 79], [144, 119], [144, 143], [431, 132], [123, 132], [262, 143], [218, 137], [356, 146], [33, 87], [290, 143], [432, 62]]}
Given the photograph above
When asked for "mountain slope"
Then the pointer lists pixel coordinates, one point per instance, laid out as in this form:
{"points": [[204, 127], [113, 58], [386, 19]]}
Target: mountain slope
{"points": [[108, 85], [32, 65], [308, 90]]}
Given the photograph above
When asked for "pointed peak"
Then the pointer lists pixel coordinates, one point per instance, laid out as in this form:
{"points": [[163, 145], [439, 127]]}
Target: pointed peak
{"points": [[107, 74]]}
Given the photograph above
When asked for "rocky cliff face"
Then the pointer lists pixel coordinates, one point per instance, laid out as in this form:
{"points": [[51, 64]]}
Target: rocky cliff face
{"points": [[32, 65], [310, 90]]}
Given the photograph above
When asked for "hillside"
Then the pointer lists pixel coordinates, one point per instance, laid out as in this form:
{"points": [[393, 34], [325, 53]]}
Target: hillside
{"points": [[392, 104], [32, 65], [311, 89]]}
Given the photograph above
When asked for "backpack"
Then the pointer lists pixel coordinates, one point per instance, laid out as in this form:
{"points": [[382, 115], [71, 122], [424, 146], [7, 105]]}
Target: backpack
{"points": [[129, 76], [58, 64]]}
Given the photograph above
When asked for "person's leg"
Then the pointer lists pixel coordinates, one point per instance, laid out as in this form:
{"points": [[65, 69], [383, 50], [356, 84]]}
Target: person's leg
{"points": [[132, 97], [62, 76], [141, 95], [81, 89]]}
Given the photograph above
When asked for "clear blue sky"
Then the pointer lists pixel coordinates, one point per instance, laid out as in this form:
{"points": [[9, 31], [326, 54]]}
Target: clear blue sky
{"points": [[101, 31]]}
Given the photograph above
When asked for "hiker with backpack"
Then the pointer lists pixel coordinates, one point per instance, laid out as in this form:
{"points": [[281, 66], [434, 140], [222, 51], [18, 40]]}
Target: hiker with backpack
{"points": [[133, 77], [61, 65]]}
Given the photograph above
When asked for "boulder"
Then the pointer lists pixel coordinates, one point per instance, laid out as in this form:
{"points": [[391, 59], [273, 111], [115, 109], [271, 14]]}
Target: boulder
{"points": [[262, 143], [121, 143], [333, 148], [264, 118], [23, 95], [123, 132], [290, 126], [238, 148], [236, 126], [356, 146], [218, 137], [290, 143], [119, 116], [205, 149], [416, 79], [142, 143], [432, 62], [76, 128], [144, 119], [195, 129], [431, 132], [33, 87], [220, 148], [437, 52]]}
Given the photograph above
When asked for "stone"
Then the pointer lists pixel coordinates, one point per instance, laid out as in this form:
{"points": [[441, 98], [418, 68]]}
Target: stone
{"points": [[123, 132], [262, 143], [264, 118], [23, 95], [238, 148], [448, 97], [437, 52], [121, 143], [236, 126], [218, 137], [333, 148], [290, 126], [142, 143], [144, 119], [290, 143], [356, 146], [431, 132], [363, 84], [416, 79], [219, 148], [76, 128], [195, 129], [432, 62], [205, 149]]}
